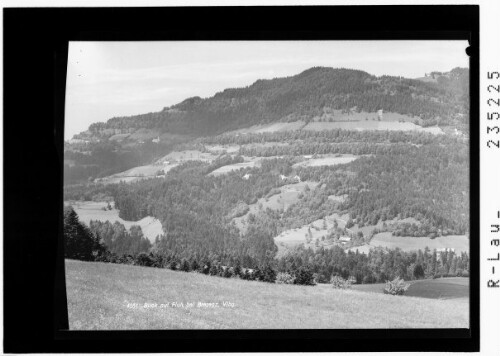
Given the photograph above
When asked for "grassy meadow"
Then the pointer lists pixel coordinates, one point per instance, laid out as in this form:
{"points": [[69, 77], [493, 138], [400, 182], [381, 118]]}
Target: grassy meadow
{"points": [[440, 288], [105, 296]]}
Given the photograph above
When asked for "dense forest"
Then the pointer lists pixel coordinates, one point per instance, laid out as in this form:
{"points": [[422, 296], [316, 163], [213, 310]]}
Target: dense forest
{"points": [[329, 136], [196, 210], [304, 266], [426, 175]]}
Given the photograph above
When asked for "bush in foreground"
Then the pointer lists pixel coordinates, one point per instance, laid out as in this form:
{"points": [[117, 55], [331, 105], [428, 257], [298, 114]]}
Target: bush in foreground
{"points": [[396, 287], [304, 276], [284, 278], [340, 283], [143, 259]]}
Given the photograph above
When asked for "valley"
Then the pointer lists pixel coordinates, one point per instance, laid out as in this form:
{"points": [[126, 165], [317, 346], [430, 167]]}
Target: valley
{"points": [[297, 181]]}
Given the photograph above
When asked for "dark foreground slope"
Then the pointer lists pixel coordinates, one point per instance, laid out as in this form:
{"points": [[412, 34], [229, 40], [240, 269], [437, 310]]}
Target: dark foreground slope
{"points": [[108, 296]]}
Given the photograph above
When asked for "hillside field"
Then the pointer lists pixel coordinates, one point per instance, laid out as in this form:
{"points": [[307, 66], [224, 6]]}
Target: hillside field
{"points": [[234, 167], [288, 195], [90, 210], [326, 160], [109, 297]]}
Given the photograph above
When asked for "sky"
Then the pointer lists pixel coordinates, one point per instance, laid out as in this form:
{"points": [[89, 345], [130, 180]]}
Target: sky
{"points": [[108, 79]]}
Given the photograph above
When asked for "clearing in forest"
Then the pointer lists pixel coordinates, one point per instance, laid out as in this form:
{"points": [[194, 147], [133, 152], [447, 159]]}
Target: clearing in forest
{"points": [[90, 210], [326, 160], [288, 194]]}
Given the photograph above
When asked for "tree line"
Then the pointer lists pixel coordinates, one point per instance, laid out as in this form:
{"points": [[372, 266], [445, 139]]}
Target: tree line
{"points": [[303, 266]]}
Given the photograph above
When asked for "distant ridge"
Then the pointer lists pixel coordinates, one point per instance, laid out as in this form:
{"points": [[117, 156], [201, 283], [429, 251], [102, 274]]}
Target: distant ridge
{"points": [[301, 97]]}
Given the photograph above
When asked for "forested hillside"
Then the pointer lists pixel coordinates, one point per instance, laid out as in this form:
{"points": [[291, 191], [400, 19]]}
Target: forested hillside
{"points": [[319, 93], [224, 195], [304, 96], [414, 175]]}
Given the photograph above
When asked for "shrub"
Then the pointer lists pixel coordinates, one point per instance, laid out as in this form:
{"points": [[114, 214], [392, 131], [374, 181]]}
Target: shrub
{"points": [[237, 270], [227, 272], [184, 266], [320, 278], [194, 266], [205, 269], [418, 271], [213, 270], [340, 283], [106, 256], [284, 278], [268, 274], [143, 259], [304, 276], [126, 259], [173, 265], [396, 287], [247, 275]]}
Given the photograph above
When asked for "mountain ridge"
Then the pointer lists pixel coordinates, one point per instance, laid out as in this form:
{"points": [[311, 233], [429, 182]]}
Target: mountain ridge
{"points": [[303, 96]]}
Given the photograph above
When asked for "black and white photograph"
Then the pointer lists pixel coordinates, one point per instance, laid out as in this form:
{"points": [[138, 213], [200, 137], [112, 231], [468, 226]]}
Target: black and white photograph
{"points": [[267, 184]]}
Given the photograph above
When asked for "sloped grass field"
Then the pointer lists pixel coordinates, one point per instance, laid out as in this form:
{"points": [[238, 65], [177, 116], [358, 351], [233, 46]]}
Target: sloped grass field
{"points": [[440, 288], [109, 297]]}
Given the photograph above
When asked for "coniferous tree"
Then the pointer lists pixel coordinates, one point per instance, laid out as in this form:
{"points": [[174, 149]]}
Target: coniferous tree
{"points": [[79, 242]]}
